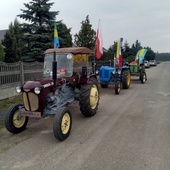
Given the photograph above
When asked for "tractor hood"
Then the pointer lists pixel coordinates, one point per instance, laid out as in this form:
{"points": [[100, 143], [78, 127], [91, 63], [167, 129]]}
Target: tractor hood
{"points": [[40, 83]]}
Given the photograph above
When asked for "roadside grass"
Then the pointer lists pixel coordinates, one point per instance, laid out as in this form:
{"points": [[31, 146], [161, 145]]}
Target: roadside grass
{"points": [[4, 104]]}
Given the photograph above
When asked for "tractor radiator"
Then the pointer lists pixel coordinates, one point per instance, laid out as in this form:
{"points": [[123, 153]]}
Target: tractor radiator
{"points": [[30, 101], [105, 73]]}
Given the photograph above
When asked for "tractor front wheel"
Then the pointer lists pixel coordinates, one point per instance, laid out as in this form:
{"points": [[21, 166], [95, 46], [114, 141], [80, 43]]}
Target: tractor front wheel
{"points": [[126, 77], [117, 87], [62, 124], [89, 98], [14, 121]]}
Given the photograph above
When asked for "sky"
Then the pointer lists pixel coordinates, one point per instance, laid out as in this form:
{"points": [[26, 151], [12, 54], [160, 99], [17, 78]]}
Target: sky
{"points": [[147, 21]]}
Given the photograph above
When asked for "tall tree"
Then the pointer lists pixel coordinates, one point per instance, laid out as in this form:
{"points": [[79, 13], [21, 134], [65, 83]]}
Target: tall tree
{"points": [[86, 36], [127, 51], [111, 52], [39, 28], [13, 42], [64, 34], [150, 55]]}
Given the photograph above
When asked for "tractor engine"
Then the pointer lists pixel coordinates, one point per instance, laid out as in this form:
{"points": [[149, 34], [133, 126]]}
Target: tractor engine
{"points": [[34, 94], [106, 72], [63, 95]]}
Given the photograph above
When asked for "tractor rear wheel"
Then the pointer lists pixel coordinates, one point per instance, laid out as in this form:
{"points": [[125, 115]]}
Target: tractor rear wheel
{"points": [[143, 77], [117, 87], [126, 76], [62, 124], [14, 121], [89, 98]]}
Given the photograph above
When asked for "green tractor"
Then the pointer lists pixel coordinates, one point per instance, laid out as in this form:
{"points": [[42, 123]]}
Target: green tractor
{"points": [[68, 76], [137, 67]]}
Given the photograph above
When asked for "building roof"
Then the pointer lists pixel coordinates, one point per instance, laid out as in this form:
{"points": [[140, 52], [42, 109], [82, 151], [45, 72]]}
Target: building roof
{"points": [[73, 50]]}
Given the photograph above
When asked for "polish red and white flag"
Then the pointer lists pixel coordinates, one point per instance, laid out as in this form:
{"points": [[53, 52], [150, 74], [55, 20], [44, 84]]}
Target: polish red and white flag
{"points": [[99, 42]]}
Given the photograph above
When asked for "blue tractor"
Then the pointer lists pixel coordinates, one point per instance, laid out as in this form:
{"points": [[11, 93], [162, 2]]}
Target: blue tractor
{"points": [[119, 74]]}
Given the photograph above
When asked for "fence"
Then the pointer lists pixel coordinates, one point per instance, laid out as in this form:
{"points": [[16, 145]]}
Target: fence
{"points": [[17, 73], [12, 74]]}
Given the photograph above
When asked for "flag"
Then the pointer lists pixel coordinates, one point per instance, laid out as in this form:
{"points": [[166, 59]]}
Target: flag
{"points": [[99, 43], [118, 52], [140, 56], [56, 40]]}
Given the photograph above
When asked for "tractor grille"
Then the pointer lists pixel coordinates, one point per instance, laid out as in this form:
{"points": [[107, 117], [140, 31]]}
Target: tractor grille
{"points": [[32, 99], [104, 75]]}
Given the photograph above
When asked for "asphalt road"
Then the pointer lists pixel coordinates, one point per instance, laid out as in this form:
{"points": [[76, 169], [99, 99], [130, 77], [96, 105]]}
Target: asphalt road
{"points": [[131, 131]]}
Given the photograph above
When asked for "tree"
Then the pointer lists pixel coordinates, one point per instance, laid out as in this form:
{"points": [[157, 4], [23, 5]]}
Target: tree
{"points": [[13, 42], [150, 55], [110, 53], [2, 54], [127, 51], [137, 46], [86, 36], [39, 29], [64, 34]]}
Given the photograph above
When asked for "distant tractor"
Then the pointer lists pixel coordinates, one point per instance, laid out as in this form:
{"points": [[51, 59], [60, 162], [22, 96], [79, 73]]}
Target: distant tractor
{"points": [[137, 67], [120, 77], [119, 74], [68, 76]]}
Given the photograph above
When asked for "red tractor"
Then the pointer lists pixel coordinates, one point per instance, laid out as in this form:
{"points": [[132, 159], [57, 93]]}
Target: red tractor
{"points": [[68, 76]]}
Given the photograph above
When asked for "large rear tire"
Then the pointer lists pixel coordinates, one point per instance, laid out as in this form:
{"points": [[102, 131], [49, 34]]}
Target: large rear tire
{"points": [[62, 124], [143, 77], [126, 78], [89, 98], [14, 121]]}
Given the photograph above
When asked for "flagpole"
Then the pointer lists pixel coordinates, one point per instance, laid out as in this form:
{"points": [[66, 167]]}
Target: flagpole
{"points": [[56, 45], [99, 42]]}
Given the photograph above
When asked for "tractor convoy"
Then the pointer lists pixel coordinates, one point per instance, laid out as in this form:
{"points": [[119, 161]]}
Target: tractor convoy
{"points": [[69, 75]]}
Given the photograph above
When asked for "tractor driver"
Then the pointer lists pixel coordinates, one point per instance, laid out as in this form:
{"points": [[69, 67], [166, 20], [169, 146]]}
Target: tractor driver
{"points": [[62, 71]]}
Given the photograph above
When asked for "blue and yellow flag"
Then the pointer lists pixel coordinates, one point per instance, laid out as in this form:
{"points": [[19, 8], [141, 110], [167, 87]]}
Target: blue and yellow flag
{"points": [[56, 39], [141, 55]]}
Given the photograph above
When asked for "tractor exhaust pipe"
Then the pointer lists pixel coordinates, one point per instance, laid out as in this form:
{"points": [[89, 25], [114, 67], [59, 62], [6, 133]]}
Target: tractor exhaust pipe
{"points": [[54, 69]]}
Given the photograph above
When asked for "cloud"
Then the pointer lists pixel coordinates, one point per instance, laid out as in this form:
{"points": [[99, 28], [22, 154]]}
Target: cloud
{"points": [[146, 20]]}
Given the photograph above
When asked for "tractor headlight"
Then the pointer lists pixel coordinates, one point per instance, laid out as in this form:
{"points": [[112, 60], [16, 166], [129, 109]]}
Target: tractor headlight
{"points": [[97, 72], [37, 90], [119, 71], [114, 71], [18, 89]]}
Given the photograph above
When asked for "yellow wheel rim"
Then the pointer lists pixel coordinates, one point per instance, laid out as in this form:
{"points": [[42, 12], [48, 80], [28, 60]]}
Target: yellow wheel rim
{"points": [[144, 78], [119, 86], [65, 124], [94, 96], [18, 120], [128, 79]]}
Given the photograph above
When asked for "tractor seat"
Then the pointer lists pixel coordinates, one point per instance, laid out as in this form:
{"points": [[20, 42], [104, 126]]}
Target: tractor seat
{"points": [[83, 77]]}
